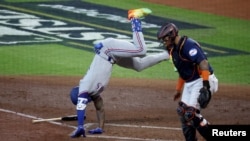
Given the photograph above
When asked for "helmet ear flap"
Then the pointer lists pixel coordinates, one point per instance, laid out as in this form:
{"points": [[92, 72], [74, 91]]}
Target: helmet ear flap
{"points": [[173, 30], [173, 33]]}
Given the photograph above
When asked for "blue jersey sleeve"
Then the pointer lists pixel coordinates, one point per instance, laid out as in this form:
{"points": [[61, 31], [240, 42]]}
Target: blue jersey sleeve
{"points": [[193, 51]]}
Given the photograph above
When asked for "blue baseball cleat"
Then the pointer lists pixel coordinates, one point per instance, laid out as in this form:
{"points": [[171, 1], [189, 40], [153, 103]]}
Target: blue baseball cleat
{"points": [[78, 132]]}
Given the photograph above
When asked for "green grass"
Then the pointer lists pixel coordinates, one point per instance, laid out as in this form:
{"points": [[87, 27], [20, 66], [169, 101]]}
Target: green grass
{"points": [[227, 32], [35, 0], [233, 69], [54, 59]]}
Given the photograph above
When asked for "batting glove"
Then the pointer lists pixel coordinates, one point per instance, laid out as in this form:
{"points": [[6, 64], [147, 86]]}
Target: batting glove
{"points": [[98, 47], [78, 132], [97, 130]]}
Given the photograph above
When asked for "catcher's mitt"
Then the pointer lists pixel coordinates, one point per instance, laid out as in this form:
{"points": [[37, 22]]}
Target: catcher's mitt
{"points": [[204, 98]]}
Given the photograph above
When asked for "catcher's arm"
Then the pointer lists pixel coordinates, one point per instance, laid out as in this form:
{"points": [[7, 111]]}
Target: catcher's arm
{"points": [[204, 68], [205, 93], [179, 86]]}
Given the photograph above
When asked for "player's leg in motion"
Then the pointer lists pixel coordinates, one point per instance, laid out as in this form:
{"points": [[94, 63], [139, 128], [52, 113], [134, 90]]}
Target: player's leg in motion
{"points": [[92, 84], [113, 47], [189, 112], [80, 107], [141, 63], [191, 120], [188, 130]]}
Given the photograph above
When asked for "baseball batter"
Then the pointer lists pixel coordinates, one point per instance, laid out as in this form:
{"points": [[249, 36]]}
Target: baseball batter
{"points": [[109, 52], [196, 81]]}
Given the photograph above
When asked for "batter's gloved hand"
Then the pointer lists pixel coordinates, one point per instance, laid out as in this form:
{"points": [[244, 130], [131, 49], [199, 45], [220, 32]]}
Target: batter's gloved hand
{"points": [[98, 47], [78, 132], [97, 130]]}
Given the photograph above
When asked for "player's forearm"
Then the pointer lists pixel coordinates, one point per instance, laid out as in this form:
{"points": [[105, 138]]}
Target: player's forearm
{"points": [[204, 65]]}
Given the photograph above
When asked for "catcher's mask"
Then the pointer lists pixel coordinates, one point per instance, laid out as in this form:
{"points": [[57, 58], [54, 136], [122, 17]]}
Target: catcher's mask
{"points": [[167, 32]]}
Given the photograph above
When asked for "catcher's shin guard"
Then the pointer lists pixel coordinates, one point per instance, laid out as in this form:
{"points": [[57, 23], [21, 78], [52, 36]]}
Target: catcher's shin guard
{"points": [[189, 132], [204, 131]]}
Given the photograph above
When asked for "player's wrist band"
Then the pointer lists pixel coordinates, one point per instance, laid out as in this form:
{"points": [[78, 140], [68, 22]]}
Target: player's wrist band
{"points": [[205, 74], [206, 84]]}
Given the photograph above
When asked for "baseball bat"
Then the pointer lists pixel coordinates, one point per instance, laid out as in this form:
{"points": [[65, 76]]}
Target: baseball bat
{"points": [[66, 118]]}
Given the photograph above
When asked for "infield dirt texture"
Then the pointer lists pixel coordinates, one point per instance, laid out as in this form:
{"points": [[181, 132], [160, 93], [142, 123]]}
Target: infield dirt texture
{"points": [[136, 109]]}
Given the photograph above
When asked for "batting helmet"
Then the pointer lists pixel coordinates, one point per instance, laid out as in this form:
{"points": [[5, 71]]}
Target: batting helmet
{"points": [[167, 30]]}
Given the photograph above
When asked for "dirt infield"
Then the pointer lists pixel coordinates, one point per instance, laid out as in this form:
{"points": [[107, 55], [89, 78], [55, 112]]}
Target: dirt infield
{"points": [[136, 109], [127, 102]]}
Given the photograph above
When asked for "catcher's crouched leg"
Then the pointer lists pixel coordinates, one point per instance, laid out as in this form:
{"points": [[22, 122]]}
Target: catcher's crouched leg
{"points": [[188, 130], [191, 120], [201, 124]]}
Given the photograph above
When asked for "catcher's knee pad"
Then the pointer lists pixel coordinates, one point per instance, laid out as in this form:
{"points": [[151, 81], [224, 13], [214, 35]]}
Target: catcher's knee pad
{"points": [[181, 108], [189, 113], [193, 116]]}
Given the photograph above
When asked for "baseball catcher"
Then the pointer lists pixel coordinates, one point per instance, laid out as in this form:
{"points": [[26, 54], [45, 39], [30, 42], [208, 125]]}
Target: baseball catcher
{"points": [[196, 80]]}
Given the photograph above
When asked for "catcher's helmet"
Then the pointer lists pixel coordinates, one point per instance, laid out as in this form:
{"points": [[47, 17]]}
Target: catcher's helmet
{"points": [[167, 30]]}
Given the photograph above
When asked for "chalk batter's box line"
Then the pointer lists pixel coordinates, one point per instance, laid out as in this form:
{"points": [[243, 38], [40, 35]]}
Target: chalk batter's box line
{"points": [[100, 136]]}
